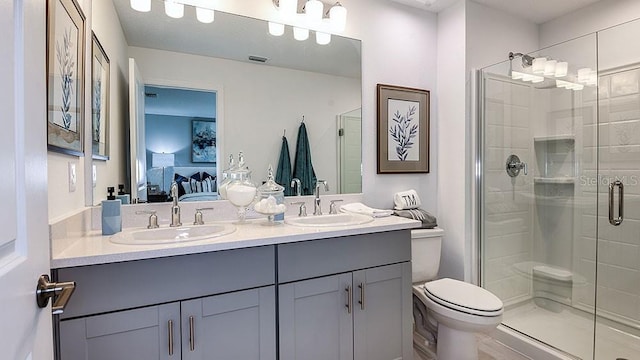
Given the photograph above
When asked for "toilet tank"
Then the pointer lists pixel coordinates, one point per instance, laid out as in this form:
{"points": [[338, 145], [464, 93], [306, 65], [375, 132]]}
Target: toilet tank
{"points": [[425, 254]]}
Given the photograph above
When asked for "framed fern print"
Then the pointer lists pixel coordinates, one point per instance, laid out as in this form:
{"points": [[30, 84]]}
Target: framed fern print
{"points": [[65, 77], [100, 70], [403, 130]]}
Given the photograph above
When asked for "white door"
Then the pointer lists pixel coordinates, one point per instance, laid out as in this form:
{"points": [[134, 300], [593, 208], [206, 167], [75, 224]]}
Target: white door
{"points": [[350, 152], [25, 330], [136, 131]]}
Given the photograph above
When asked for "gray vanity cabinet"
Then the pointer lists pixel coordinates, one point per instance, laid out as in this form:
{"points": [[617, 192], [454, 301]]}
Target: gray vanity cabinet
{"points": [[382, 313], [315, 322], [217, 305], [141, 334], [238, 325], [361, 314], [235, 326]]}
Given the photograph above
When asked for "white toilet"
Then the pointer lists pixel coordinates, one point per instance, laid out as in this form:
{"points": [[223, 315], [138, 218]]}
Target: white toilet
{"points": [[456, 308]]}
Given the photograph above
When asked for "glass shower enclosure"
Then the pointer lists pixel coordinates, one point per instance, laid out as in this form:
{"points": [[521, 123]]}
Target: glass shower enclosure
{"points": [[559, 193]]}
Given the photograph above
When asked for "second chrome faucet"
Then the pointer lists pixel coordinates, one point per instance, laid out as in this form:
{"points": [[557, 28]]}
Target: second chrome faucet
{"points": [[317, 210]]}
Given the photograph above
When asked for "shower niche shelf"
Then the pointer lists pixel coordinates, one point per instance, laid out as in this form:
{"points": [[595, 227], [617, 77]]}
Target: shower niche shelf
{"points": [[567, 138], [554, 180], [555, 159]]}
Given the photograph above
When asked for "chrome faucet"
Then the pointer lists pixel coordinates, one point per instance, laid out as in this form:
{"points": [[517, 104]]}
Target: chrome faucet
{"points": [[175, 209], [297, 186], [317, 210]]}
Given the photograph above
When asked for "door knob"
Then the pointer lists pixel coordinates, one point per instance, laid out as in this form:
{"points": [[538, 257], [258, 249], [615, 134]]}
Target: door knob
{"points": [[61, 291]]}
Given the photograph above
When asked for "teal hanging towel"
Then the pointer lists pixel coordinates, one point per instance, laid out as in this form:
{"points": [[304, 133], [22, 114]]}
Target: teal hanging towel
{"points": [[283, 172], [303, 169]]}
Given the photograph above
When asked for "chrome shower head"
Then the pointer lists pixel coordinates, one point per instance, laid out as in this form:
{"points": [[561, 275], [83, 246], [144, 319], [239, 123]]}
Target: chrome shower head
{"points": [[527, 60]]}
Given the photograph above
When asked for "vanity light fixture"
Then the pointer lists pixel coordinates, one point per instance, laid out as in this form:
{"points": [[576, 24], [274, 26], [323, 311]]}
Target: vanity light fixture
{"points": [[173, 9], [322, 38], [276, 29], [300, 34], [312, 17], [141, 5], [205, 16]]}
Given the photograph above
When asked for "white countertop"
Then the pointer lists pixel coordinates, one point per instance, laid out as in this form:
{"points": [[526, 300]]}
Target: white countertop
{"points": [[96, 249]]}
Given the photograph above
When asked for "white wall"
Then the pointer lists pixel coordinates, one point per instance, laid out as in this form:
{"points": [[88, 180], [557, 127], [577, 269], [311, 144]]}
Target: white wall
{"points": [[452, 147], [599, 16], [107, 28], [470, 36], [112, 172], [259, 103]]}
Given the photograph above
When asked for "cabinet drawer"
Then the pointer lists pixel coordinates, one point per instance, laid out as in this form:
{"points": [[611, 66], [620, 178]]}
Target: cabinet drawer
{"points": [[304, 260], [118, 286]]}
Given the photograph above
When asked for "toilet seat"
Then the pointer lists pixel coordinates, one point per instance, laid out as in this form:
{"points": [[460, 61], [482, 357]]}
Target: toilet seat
{"points": [[463, 297]]}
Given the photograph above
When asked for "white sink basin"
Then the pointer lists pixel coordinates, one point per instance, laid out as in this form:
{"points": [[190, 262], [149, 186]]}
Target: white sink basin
{"points": [[342, 219], [171, 235]]}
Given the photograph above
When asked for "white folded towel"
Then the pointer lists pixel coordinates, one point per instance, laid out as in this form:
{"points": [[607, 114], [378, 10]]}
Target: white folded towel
{"points": [[405, 200], [360, 208]]}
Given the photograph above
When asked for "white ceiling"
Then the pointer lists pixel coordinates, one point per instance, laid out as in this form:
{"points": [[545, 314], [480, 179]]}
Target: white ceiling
{"points": [[536, 11]]}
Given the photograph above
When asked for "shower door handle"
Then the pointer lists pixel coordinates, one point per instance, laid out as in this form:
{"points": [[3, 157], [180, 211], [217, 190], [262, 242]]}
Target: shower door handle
{"points": [[618, 220]]}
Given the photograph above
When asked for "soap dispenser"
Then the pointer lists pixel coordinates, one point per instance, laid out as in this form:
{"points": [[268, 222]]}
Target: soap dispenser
{"points": [[124, 198], [111, 217]]}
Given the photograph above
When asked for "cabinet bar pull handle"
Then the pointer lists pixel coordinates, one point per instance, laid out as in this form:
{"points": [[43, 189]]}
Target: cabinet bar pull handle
{"points": [[192, 340], [361, 301], [349, 299], [170, 337], [616, 221]]}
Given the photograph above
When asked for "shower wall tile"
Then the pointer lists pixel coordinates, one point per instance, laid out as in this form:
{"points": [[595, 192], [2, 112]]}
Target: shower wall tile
{"points": [[619, 278], [520, 94], [617, 303], [507, 201], [495, 112], [624, 83], [622, 254]]}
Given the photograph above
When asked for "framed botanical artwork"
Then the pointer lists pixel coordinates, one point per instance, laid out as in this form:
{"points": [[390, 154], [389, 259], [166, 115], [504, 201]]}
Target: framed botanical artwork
{"points": [[99, 101], [203, 145], [403, 130], [65, 77]]}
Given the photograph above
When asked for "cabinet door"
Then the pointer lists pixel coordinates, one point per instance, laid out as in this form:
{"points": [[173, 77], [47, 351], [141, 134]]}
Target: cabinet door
{"points": [[382, 314], [315, 321], [139, 334], [235, 326]]}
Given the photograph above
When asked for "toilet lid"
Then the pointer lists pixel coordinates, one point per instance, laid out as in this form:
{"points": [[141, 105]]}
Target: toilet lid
{"points": [[463, 296]]}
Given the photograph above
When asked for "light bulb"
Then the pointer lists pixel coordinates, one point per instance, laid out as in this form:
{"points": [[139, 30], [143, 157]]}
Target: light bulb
{"points": [[288, 8], [314, 9], [538, 65], [173, 9], [323, 38], [583, 75], [561, 69], [300, 34], [550, 67], [276, 29], [205, 16], [141, 5], [338, 17]]}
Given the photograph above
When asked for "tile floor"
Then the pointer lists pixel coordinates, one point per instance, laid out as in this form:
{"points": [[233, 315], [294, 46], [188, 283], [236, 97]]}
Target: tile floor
{"points": [[488, 349]]}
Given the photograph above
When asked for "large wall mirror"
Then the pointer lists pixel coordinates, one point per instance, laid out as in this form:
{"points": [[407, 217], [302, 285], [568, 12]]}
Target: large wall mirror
{"points": [[248, 90]]}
